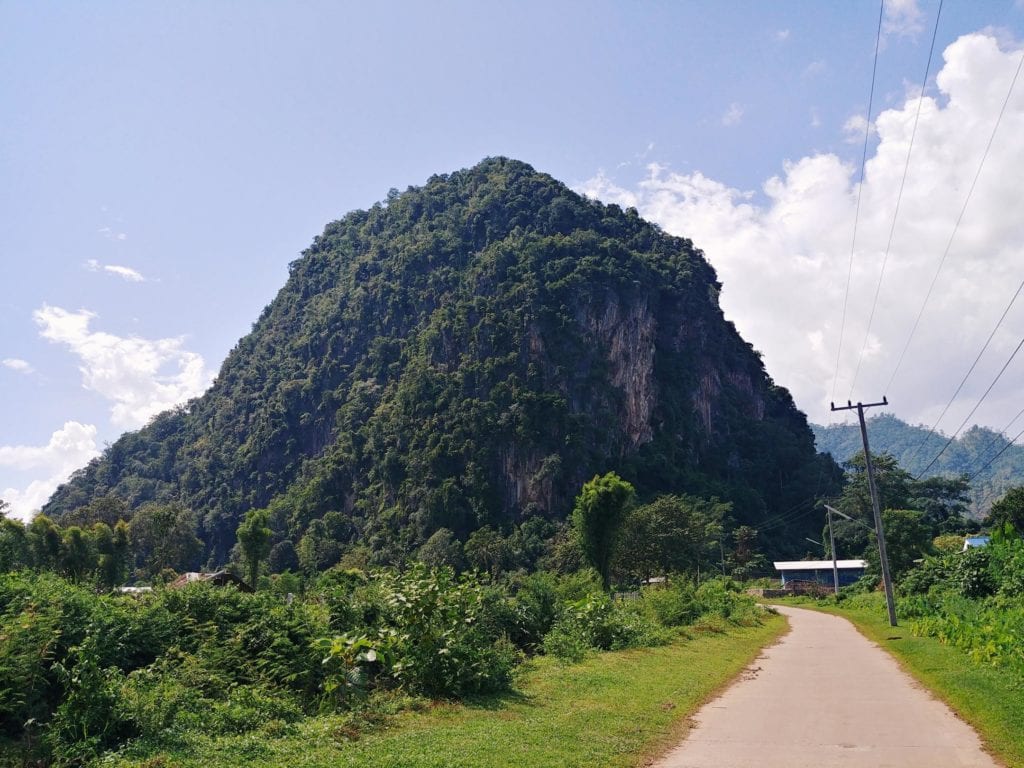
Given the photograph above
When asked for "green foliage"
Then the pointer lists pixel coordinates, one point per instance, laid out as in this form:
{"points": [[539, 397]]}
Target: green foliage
{"points": [[164, 536], [430, 632], [441, 549], [972, 600], [15, 549], [1009, 509], [675, 605], [915, 446], [672, 534], [906, 539], [254, 538], [450, 360], [597, 516], [598, 623]]}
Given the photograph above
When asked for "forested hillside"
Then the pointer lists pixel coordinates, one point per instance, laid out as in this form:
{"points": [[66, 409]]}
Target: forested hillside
{"points": [[467, 354], [914, 447]]}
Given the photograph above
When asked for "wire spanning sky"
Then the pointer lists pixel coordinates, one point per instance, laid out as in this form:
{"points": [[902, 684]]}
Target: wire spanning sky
{"points": [[161, 164]]}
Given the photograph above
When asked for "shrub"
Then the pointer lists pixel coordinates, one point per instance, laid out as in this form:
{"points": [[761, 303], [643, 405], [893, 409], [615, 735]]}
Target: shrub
{"points": [[598, 623], [973, 578], [674, 606], [429, 632]]}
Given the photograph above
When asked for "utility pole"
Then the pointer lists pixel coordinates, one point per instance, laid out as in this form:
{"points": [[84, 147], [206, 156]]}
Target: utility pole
{"points": [[879, 533], [832, 547]]}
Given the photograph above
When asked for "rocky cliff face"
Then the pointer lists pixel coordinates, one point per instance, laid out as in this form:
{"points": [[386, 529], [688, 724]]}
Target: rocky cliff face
{"points": [[469, 354]]}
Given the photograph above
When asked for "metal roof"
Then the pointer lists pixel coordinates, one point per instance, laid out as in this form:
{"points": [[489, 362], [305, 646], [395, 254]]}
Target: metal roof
{"points": [[818, 565]]}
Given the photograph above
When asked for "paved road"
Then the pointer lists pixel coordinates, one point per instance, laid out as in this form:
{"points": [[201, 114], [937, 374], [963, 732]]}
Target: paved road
{"points": [[825, 696]]}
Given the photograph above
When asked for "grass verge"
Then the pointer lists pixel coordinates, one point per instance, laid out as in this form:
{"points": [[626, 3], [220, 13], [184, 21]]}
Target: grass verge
{"points": [[991, 700], [613, 709]]}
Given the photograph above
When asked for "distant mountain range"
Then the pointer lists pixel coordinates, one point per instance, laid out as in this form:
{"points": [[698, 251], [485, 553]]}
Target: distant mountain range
{"points": [[915, 447]]}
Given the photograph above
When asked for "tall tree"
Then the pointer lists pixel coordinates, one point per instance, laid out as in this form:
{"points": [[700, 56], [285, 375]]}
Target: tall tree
{"points": [[672, 534], [255, 537], [111, 551], [15, 552], [44, 538], [597, 517], [78, 557], [1009, 509], [164, 536], [907, 539]]}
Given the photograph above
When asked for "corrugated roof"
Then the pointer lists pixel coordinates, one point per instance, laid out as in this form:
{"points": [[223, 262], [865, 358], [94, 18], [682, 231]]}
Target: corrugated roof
{"points": [[817, 565]]}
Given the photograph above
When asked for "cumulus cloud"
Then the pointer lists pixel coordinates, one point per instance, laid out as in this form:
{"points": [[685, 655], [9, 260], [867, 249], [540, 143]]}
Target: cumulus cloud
{"points": [[127, 273], [902, 18], [18, 365], [140, 376], [854, 127], [733, 114], [69, 448], [781, 35], [784, 258]]}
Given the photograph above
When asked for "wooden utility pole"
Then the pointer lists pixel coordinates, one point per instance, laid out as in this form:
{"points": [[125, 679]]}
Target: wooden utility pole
{"points": [[879, 533], [832, 548]]}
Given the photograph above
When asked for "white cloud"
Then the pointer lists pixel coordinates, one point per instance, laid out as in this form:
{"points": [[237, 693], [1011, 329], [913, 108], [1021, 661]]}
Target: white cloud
{"points": [[816, 67], [781, 35], [127, 273], [140, 376], [784, 262], [111, 234], [853, 129], [815, 118], [69, 448], [733, 114], [902, 18], [18, 365]]}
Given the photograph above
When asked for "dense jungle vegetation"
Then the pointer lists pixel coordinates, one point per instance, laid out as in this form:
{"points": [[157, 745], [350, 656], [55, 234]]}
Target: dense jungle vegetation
{"points": [[915, 446], [87, 674], [461, 358]]}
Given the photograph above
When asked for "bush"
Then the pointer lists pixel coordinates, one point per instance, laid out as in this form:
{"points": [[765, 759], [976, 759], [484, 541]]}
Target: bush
{"points": [[674, 606], [597, 623], [429, 632], [972, 575], [933, 572]]}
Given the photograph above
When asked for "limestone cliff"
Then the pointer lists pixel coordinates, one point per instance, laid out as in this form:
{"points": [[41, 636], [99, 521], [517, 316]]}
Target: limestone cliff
{"points": [[465, 354]]}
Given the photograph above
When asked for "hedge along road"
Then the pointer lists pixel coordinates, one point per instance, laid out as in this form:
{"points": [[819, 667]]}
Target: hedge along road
{"points": [[826, 696]]}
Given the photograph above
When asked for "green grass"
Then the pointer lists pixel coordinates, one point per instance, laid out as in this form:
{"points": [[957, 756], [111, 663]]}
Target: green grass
{"points": [[990, 699], [613, 709]]}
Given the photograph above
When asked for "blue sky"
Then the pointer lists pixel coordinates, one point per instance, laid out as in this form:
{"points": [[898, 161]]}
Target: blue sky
{"points": [[160, 165]]}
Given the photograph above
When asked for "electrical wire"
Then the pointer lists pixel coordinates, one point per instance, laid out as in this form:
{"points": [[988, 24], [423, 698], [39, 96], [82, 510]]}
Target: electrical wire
{"points": [[960, 386], [1000, 434], [860, 190], [985, 466], [956, 226], [975, 408], [899, 199]]}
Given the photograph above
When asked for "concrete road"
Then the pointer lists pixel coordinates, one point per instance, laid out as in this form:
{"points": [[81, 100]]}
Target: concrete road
{"points": [[825, 696]]}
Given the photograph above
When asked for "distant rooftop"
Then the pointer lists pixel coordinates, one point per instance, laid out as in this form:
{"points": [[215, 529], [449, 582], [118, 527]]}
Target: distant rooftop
{"points": [[970, 542], [815, 565]]}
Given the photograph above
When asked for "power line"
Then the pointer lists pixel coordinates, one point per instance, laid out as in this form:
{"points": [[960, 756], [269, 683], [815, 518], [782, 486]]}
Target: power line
{"points": [[1000, 434], [899, 198], [956, 226], [931, 431], [984, 466], [860, 190], [975, 408]]}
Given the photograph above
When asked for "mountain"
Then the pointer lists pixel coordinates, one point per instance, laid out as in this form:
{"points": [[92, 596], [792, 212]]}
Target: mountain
{"points": [[468, 353], [915, 446]]}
